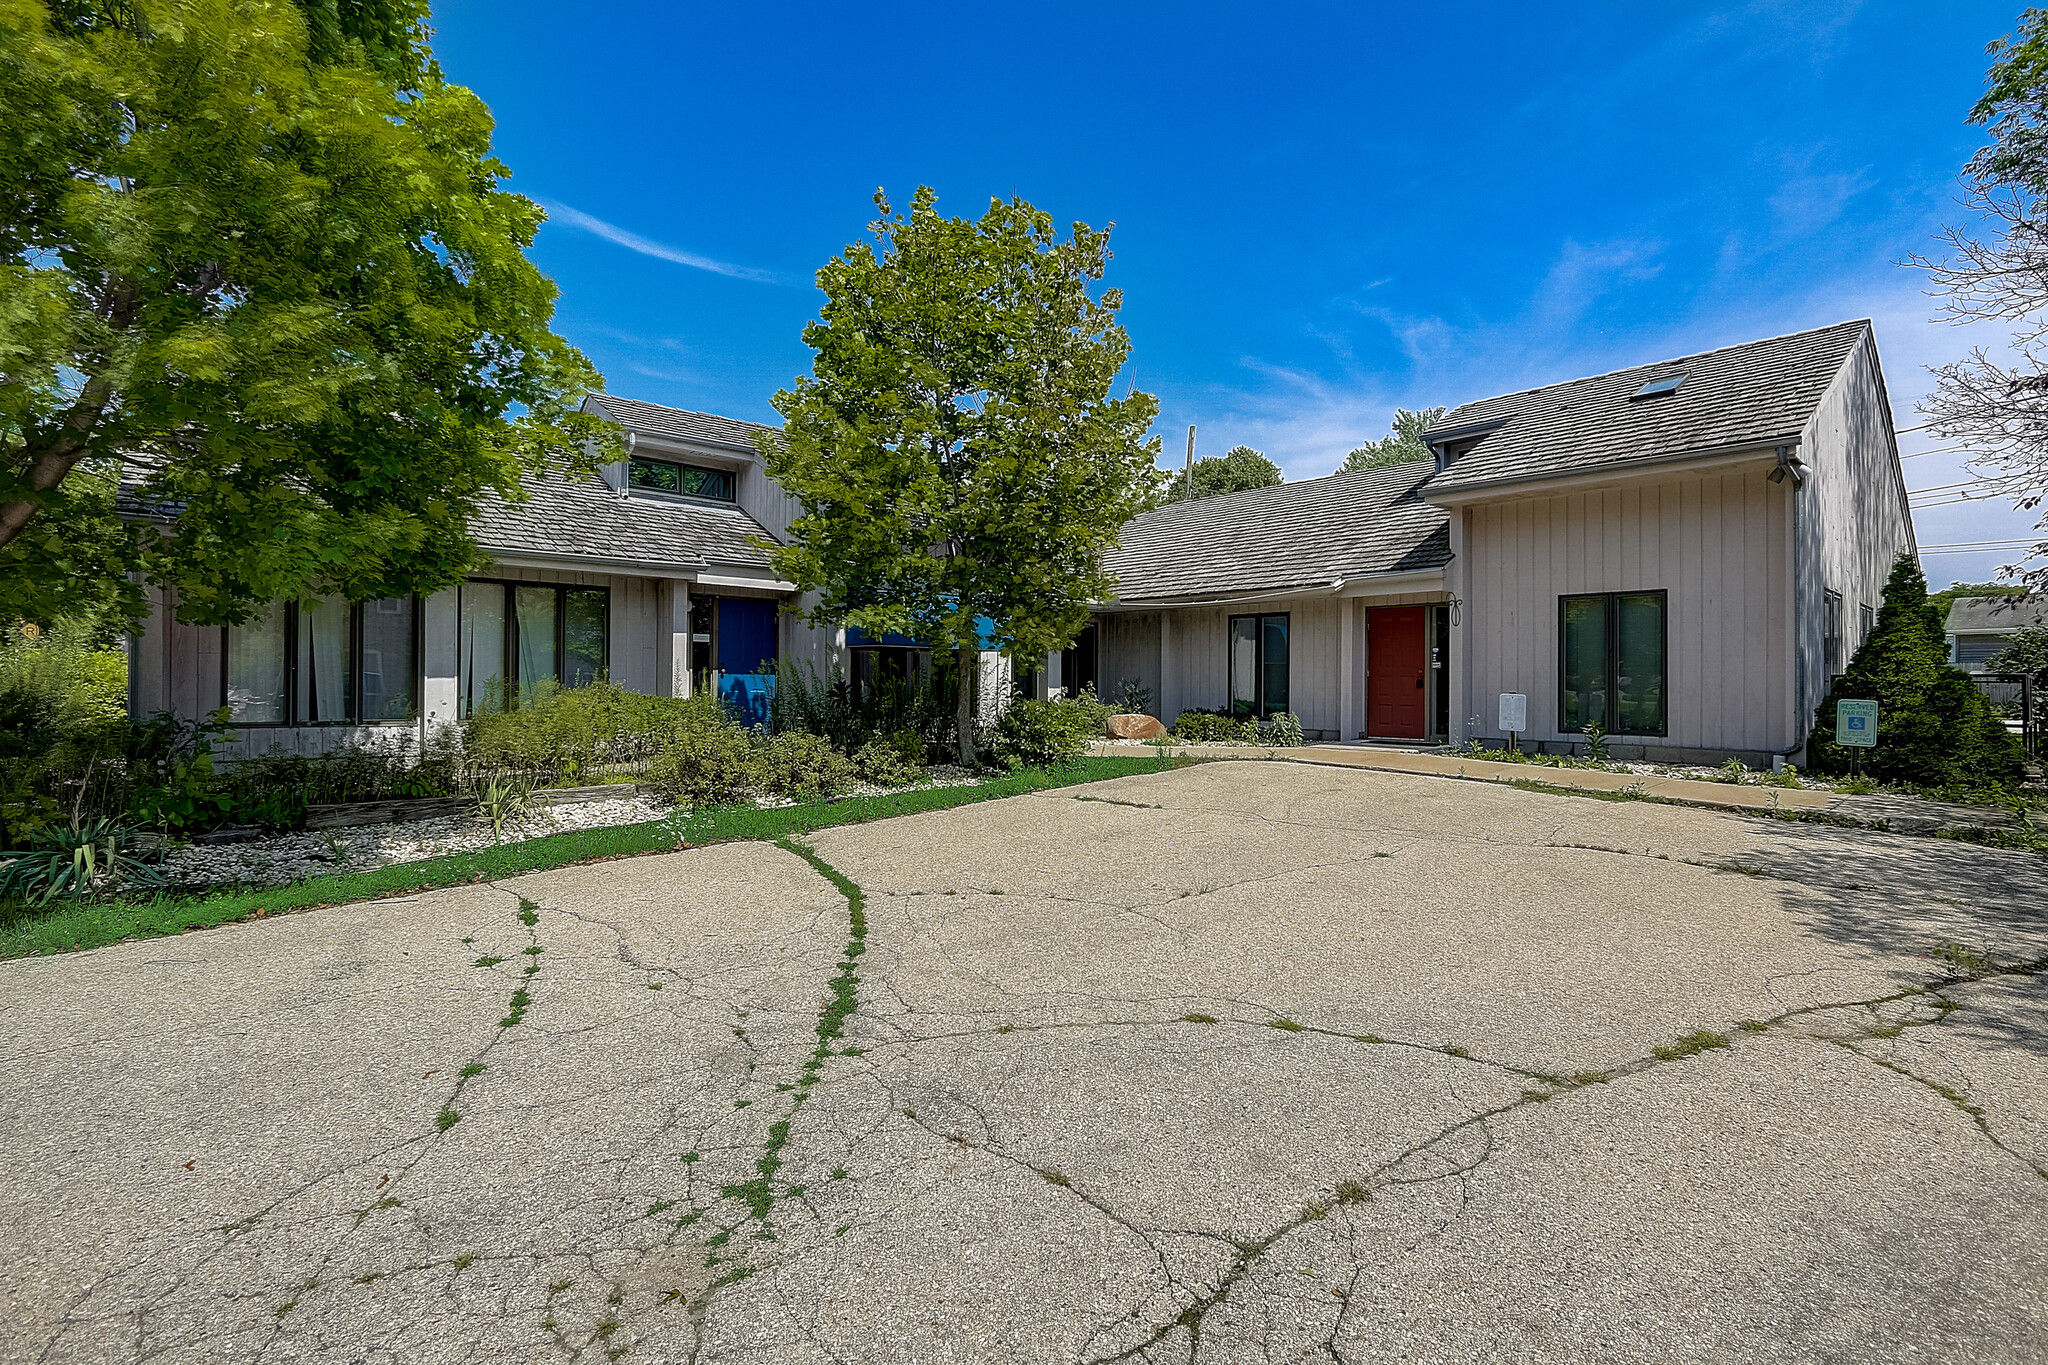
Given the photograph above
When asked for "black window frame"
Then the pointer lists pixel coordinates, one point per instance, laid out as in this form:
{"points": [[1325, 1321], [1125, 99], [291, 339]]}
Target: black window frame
{"points": [[352, 688], [1259, 620], [1831, 633], [1612, 722], [731, 477], [509, 663]]}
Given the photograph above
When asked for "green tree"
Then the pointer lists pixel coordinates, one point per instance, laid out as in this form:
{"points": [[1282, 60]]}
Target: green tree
{"points": [[1236, 469], [1935, 727], [255, 262], [2026, 651], [955, 449], [1402, 444]]}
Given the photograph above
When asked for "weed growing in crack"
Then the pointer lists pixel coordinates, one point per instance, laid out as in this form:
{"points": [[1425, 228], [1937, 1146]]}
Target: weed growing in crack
{"points": [[606, 1328], [841, 1230], [489, 961], [1699, 1040], [462, 1262], [1382, 855], [559, 1286], [1536, 1096], [1053, 1177], [1751, 1025], [529, 912], [1453, 1050], [654, 985], [839, 1173], [688, 1157], [473, 1069], [1589, 1078], [660, 1206], [1284, 1025], [741, 1104], [534, 951], [1965, 959], [1367, 1038], [446, 1119], [370, 1278], [1201, 1019], [1351, 1192]]}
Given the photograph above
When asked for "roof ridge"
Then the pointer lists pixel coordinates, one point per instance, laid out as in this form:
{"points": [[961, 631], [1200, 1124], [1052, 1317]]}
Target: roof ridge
{"points": [[682, 412], [1865, 323]]}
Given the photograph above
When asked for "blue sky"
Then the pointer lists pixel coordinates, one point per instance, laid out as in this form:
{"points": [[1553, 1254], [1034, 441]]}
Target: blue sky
{"points": [[1321, 212]]}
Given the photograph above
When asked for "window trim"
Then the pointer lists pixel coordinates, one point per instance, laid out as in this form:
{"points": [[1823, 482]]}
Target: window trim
{"points": [[1259, 619], [508, 665], [731, 475], [351, 689], [1612, 721], [1831, 633]]}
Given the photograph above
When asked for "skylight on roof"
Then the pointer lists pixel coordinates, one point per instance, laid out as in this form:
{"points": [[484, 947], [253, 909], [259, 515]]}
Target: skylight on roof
{"points": [[1668, 384]]}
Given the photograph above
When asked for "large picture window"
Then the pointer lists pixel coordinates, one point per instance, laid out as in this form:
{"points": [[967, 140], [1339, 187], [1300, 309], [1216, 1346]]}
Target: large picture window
{"points": [[512, 637], [1611, 662], [324, 662], [1258, 665], [687, 480]]}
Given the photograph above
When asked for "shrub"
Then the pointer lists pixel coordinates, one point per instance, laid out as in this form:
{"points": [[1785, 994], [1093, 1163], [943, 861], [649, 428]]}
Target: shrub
{"points": [[1935, 727], [802, 766], [1133, 697], [715, 764], [805, 700], [1087, 715], [892, 761], [1282, 731], [1038, 734], [1210, 727], [559, 735]]}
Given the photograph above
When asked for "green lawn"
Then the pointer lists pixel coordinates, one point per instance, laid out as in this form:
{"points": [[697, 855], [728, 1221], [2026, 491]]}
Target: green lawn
{"points": [[94, 923]]}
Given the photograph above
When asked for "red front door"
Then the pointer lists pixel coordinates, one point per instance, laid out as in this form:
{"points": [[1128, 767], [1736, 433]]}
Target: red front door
{"points": [[1395, 666]]}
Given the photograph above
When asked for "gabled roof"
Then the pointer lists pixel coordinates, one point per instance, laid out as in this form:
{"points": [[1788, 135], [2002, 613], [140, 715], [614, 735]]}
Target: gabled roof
{"points": [[583, 518], [677, 424], [1996, 615], [1293, 535], [1748, 395]]}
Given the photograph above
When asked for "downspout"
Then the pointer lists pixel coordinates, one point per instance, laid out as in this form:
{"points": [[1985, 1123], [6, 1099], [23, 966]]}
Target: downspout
{"points": [[1798, 635]]}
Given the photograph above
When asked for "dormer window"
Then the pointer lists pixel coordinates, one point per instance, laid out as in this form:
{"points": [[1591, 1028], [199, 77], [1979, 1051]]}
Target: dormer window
{"points": [[687, 480]]}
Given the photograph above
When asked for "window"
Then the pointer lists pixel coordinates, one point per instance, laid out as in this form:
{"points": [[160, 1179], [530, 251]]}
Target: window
{"points": [[1867, 618], [512, 637], [1657, 388], [1611, 655], [1831, 637], [689, 480], [324, 662], [1258, 665]]}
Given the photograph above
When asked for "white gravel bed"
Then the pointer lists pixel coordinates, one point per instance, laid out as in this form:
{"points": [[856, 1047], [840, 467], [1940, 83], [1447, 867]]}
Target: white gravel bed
{"points": [[311, 853]]}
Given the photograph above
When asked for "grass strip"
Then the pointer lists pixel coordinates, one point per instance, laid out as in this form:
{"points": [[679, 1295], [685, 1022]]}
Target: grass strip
{"points": [[93, 924]]}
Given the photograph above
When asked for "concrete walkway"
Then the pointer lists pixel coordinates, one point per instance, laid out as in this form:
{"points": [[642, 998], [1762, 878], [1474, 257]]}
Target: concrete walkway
{"points": [[1718, 795]]}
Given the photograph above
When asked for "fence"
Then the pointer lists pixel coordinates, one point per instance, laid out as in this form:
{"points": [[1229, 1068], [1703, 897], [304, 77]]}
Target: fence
{"points": [[2013, 698]]}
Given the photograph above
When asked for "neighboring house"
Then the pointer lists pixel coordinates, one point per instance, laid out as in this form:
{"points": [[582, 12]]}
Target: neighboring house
{"points": [[650, 573], [1979, 627], [1682, 552]]}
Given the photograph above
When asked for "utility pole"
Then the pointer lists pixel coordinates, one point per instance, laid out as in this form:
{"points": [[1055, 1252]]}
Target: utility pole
{"points": [[1187, 483]]}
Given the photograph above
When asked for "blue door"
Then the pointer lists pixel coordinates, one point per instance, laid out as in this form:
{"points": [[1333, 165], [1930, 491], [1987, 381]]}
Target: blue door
{"points": [[746, 635]]}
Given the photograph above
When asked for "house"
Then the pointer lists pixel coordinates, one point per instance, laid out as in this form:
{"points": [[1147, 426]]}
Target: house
{"points": [[1681, 553], [1979, 627], [651, 573]]}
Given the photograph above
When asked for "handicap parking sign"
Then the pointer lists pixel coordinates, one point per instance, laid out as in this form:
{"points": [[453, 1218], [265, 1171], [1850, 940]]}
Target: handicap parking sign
{"points": [[1856, 724]]}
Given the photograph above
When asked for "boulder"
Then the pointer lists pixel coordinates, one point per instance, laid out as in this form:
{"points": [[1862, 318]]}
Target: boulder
{"points": [[1136, 726]]}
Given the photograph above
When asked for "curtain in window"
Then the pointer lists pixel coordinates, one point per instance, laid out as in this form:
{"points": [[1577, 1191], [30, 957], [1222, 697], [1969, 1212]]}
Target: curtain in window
{"points": [[1639, 664], [384, 689], [1585, 663], [255, 668], [535, 608], [583, 636], [1244, 665], [482, 661], [322, 682], [1273, 664]]}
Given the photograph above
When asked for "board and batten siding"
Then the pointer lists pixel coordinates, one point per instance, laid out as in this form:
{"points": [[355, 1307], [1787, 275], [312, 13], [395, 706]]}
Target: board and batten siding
{"points": [[1717, 542]]}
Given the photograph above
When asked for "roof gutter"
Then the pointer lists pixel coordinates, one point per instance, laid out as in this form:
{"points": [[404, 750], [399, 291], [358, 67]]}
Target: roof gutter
{"points": [[1762, 447], [1318, 589]]}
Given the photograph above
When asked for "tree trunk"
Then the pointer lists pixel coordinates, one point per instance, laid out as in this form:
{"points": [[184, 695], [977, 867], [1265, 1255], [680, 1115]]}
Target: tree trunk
{"points": [[963, 709]]}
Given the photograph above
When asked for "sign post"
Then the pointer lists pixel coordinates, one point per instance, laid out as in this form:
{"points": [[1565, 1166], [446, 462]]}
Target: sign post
{"points": [[1856, 726], [1514, 718]]}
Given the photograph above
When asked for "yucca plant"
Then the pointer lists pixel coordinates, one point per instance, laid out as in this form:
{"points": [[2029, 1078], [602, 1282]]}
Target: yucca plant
{"points": [[70, 862]]}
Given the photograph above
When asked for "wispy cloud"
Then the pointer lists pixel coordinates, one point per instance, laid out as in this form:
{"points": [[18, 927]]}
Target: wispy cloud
{"points": [[647, 246]]}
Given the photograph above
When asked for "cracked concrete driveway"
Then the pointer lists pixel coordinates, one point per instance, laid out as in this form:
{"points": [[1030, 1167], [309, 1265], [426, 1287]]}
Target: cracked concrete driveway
{"points": [[1246, 1062]]}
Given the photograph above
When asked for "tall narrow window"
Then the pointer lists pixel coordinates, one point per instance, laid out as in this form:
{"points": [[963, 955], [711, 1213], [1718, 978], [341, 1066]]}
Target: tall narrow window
{"points": [[583, 635], [387, 671], [1259, 665], [482, 659], [1831, 633], [320, 687], [535, 623], [257, 655], [1611, 663]]}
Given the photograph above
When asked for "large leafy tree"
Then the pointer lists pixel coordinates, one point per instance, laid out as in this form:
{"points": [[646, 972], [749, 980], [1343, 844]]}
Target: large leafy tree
{"points": [[956, 448], [1235, 470], [1996, 271], [1935, 728], [1400, 445], [255, 264]]}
